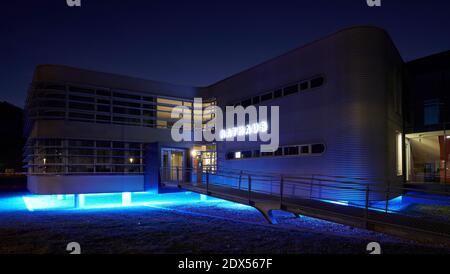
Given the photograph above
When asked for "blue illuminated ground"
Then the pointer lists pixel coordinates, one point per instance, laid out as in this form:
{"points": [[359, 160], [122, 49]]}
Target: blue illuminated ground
{"points": [[173, 223]]}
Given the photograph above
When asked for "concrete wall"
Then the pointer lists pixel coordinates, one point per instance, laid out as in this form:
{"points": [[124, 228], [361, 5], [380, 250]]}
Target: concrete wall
{"points": [[85, 184]]}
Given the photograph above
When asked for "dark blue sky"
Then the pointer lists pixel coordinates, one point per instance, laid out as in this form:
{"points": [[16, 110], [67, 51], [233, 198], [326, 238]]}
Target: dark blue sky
{"points": [[193, 42]]}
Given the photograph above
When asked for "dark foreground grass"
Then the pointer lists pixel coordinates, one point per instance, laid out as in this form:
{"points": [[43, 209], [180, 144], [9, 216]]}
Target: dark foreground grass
{"points": [[201, 227]]}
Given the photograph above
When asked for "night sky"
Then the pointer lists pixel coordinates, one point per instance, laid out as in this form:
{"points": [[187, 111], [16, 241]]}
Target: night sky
{"points": [[193, 42]]}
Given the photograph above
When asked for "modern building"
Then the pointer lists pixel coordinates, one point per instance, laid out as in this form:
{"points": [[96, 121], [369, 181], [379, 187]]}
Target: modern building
{"points": [[341, 114]]}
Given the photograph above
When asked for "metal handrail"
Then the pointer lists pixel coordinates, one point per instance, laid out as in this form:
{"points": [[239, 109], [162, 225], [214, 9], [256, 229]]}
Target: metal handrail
{"points": [[248, 182]]}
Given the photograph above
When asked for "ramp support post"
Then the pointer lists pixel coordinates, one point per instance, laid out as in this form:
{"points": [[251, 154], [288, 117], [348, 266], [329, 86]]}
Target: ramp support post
{"points": [[267, 212]]}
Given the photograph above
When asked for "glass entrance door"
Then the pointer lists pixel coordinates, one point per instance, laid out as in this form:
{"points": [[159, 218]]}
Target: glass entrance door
{"points": [[172, 161]]}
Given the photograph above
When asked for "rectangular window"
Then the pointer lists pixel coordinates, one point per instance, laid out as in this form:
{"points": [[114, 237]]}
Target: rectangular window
{"points": [[169, 102], [256, 100], [81, 98], [290, 90], [103, 92], [127, 96], [277, 93], [317, 82], [279, 152], [148, 99], [399, 144], [266, 97], [266, 154], [81, 90], [291, 151], [304, 150], [126, 104], [103, 108], [81, 115], [103, 118], [101, 101], [304, 85], [81, 106]]}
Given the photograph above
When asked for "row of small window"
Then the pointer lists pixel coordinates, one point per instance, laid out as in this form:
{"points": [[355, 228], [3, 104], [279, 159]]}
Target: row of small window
{"points": [[278, 93], [300, 150], [91, 169]]}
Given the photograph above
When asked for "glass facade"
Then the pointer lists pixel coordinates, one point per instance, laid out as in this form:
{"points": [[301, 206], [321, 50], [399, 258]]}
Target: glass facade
{"points": [[57, 156], [101, 105], [98, 105]]}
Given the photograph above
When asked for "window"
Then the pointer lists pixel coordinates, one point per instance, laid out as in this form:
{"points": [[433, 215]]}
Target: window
{"points": [[146, 106], [317, 149], [237, 155], [127, 96], [103, 108], [148, 99], [56, 87], [290, 90], [266, 97], [317, 82], [304, 150], [81, 106], [81, 98], [129, 111], [118, 145], [52, 113], [81, 143], [277, 93], [81, 90], [149, 123], [103, 144], [266, 154], [304, 85], [81, 115], [102, 101], [148, 113], [169, 102], [256, 100], [291, 151], [103, 92], [126, 104], [230, 155], [279, 152], [53, 104], [246, 154], [126, 120], [82, 156], [103, 118]]}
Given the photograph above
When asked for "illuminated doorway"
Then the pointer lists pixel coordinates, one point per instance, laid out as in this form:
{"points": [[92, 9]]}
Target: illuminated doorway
{"points": [[172, 163], [427, 157]]}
